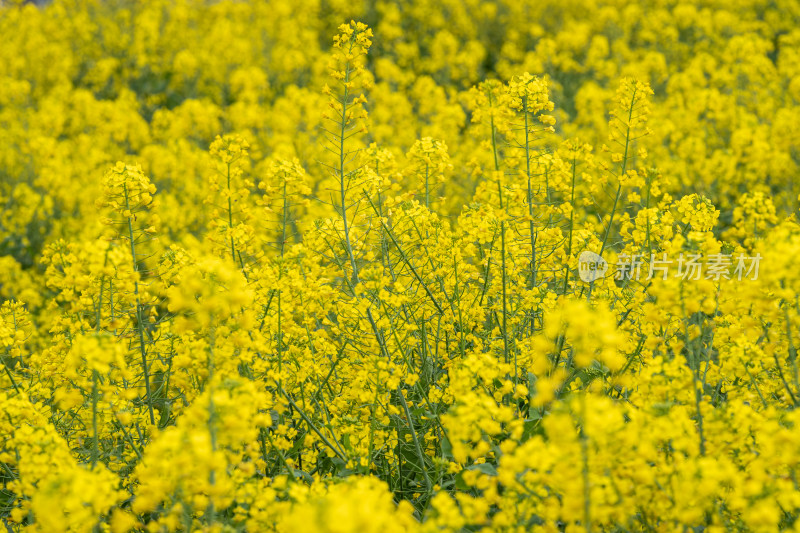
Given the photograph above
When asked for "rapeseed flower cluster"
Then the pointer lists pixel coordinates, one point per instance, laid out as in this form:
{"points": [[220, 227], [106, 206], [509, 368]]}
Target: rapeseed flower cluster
{"points": [[257, 278]]}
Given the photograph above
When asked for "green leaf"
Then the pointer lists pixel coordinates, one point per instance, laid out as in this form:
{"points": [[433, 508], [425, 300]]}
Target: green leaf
{"points": [[486, 468]]}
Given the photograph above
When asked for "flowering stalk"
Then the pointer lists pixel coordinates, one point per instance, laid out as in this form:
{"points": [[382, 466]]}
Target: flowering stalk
{"points": [[128, 192], [529, 96], [139, 316], [499, 176], [230, 154], [350, 49], [631, 100]]}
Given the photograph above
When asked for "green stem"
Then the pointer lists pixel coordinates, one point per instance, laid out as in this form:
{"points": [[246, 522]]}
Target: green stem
{"points": [[622, 172], [502, 248], [531, 225], [417, 446], [342, 175], [230, 214], [139, 317], [571, 225], [95, 443]]}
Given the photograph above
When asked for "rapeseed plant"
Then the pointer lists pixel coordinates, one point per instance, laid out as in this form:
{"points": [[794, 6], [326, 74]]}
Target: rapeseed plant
{"points": [[255, 279]]}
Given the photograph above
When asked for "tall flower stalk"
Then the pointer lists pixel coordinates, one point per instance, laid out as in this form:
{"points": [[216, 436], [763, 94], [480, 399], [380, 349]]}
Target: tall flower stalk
{"points": [[129, 194]]}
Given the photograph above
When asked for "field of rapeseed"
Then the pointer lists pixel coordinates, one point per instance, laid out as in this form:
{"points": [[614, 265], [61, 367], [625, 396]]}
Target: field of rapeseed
{"points": [[399, 265]]}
